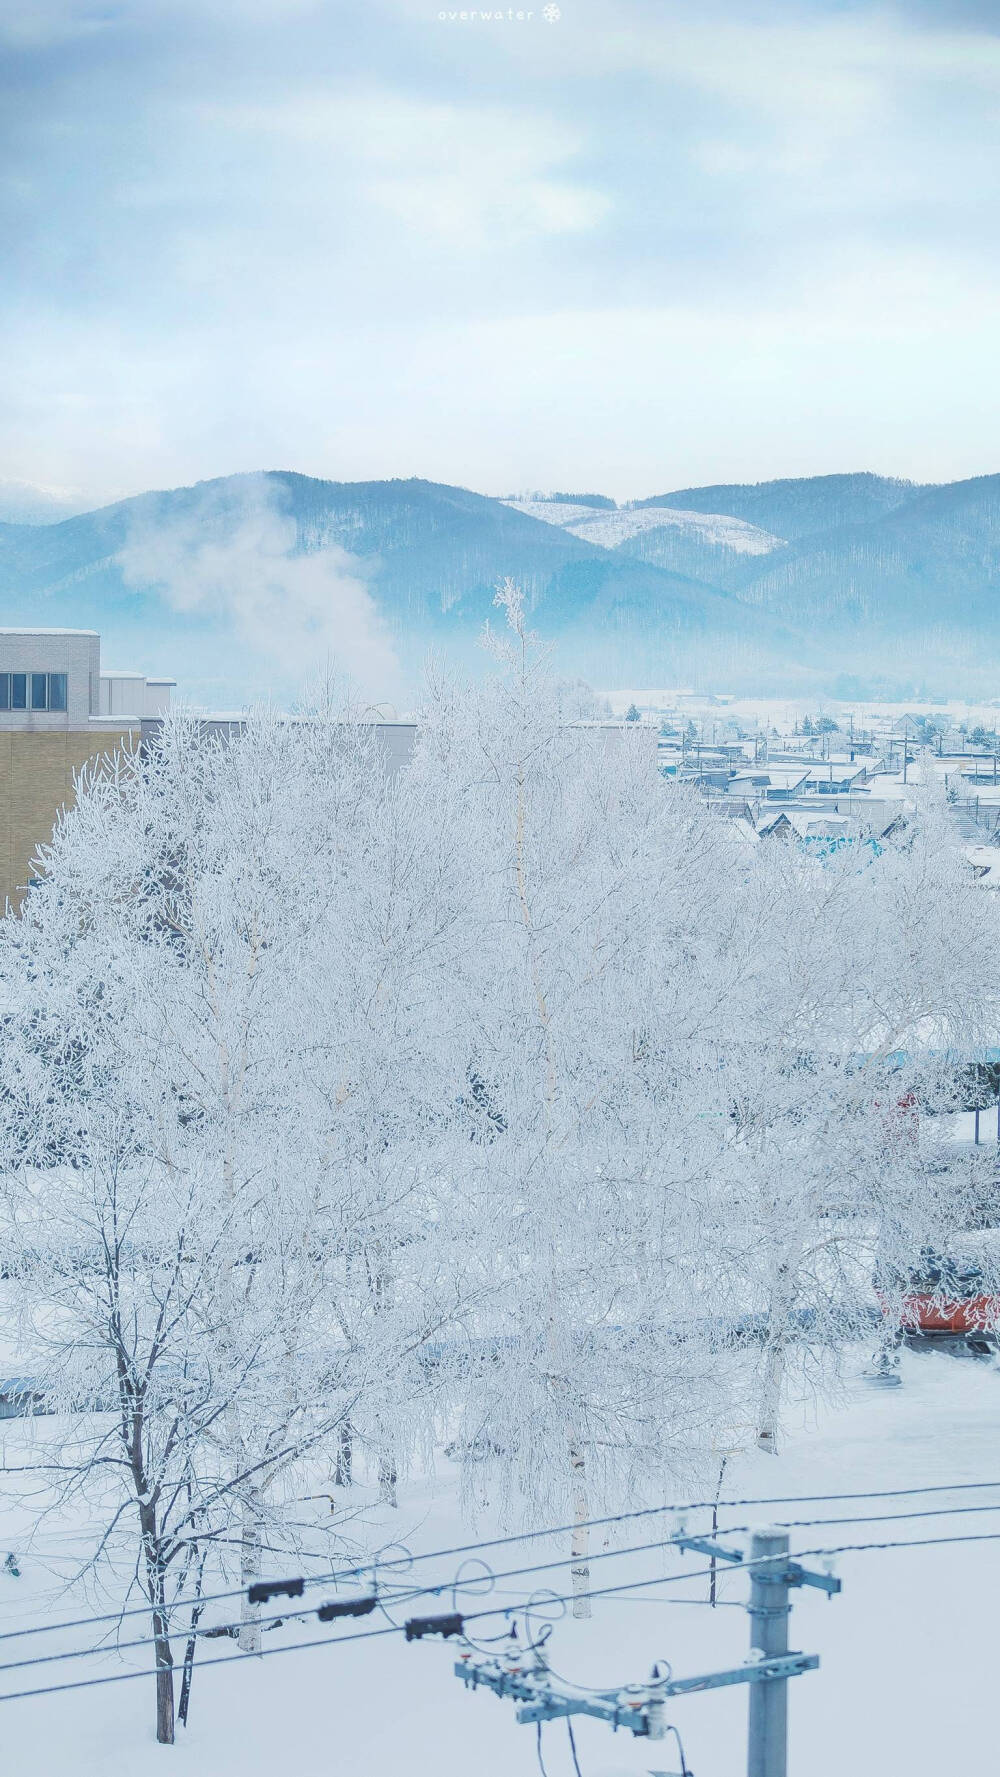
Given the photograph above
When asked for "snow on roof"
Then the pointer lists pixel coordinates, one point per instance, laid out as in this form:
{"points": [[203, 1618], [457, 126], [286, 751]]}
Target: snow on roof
{"points": [[743, 831], [985, 861], [778, 776], [836, 768]]}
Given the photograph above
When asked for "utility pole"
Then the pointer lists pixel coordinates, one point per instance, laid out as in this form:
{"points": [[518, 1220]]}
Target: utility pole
{"points": [[767, 1750]]}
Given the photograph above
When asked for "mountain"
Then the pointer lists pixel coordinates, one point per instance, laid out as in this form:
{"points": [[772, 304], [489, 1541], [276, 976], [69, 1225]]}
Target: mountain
{"points": [[21, 502], [248, 584], [710, 546], [895, 582], [794, 509], [919, 585], [283, 564]]}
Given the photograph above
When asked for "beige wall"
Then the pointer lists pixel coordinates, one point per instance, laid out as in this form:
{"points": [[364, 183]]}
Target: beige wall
{"points": [[36, 781]]}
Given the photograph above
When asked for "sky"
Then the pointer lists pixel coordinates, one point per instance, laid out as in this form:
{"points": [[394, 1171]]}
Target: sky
{"points": [[642, 245]]}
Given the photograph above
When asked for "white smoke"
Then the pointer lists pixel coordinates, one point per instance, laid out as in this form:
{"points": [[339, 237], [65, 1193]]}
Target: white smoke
{"points": [[235, 561]]}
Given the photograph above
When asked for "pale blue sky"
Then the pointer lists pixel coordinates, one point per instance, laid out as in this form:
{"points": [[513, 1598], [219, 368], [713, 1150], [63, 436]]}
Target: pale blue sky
{"points": [[645, 245]]}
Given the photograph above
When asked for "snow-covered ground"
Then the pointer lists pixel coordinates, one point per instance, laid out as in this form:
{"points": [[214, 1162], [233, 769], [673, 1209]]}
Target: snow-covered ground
{"points": [[608, 529], [907, 1650]]}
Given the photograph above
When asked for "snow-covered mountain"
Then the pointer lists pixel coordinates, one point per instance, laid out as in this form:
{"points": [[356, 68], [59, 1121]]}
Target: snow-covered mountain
{"points": [[611, 529], [800, 507], [21, 502], [248, 583]]}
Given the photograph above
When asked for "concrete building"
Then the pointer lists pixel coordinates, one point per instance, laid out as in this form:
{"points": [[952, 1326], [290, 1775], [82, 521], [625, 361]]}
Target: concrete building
{"points": [[58, 710]]}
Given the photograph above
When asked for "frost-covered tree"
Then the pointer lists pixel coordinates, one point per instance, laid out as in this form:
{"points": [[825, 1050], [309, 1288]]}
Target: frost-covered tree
{"points": [[592, 909], [866, 992], [507, 1100], [184, 1222]]}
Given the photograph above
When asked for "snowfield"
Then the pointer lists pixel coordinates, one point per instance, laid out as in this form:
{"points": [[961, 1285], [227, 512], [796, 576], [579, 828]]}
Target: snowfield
{"points": [[907, 1650], [609, 529]]}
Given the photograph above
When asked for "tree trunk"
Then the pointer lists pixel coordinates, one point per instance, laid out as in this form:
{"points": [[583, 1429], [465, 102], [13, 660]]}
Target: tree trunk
{"points": [[162, 1655], [387, 1480], [770, 1394], [164, 1681], [249, 1638], [775, 1347], [342, 1474], [580, 1544], [187, 1671]]}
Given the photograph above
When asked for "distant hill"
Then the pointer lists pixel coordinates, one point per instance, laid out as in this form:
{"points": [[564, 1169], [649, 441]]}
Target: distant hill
{"points": [[919, 583], [713, 547], [793, 509], [192, 569], [21, 502], [247, 584]]}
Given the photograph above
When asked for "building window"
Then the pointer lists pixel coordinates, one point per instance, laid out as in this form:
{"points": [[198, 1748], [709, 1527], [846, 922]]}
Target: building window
{"points": [[48, 691]]}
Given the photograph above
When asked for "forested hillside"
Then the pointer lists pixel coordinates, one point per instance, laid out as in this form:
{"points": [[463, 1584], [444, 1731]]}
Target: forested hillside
{"points": [[782, 585]]}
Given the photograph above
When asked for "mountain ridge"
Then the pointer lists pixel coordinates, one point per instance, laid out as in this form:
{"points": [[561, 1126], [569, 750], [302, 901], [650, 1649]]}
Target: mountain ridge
{"points": [[869, 575]]}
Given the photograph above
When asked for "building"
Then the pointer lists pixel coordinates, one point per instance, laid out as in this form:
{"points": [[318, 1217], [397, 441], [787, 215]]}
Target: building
{"points": [[769, 783], [835, 777], [58, 710]]}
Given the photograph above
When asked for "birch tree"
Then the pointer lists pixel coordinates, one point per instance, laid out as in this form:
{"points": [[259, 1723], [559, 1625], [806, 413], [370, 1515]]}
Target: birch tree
{"points": [[591, 901]]}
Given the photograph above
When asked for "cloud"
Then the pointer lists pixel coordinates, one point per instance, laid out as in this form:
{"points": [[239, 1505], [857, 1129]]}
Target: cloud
{"points": [[232, 240], [484, 176], [242, 571]]}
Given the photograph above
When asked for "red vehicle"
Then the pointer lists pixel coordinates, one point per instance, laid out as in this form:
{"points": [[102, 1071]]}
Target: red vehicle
{"points": [[947, 1306]]}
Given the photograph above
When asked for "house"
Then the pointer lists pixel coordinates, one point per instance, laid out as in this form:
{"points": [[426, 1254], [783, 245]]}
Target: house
{"points": [[835, 777], [20, 1396], [776, 826], [979, 769], [769, 783]]}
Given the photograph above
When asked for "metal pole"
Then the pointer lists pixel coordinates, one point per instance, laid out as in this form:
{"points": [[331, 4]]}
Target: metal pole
{"points": [[767, 1750]]}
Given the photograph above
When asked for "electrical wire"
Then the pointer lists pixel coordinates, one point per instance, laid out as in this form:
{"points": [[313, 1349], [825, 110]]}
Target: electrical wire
{"points": [[374, 1564], [680, 1749], [878, 1517], [490, 1579], [212, 1632], [572, 1747], [396, 1598], [496, 1610]]}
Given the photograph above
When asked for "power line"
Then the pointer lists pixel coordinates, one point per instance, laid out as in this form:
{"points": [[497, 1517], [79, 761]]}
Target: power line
{"points": [[435, 1590], [374, 1564], [877, 1517], [494, 1611], [80, 1684], [400, 1597]]}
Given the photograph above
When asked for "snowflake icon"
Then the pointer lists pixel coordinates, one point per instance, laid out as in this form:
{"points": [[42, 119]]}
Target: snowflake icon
{"points": [[551, 14]]}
